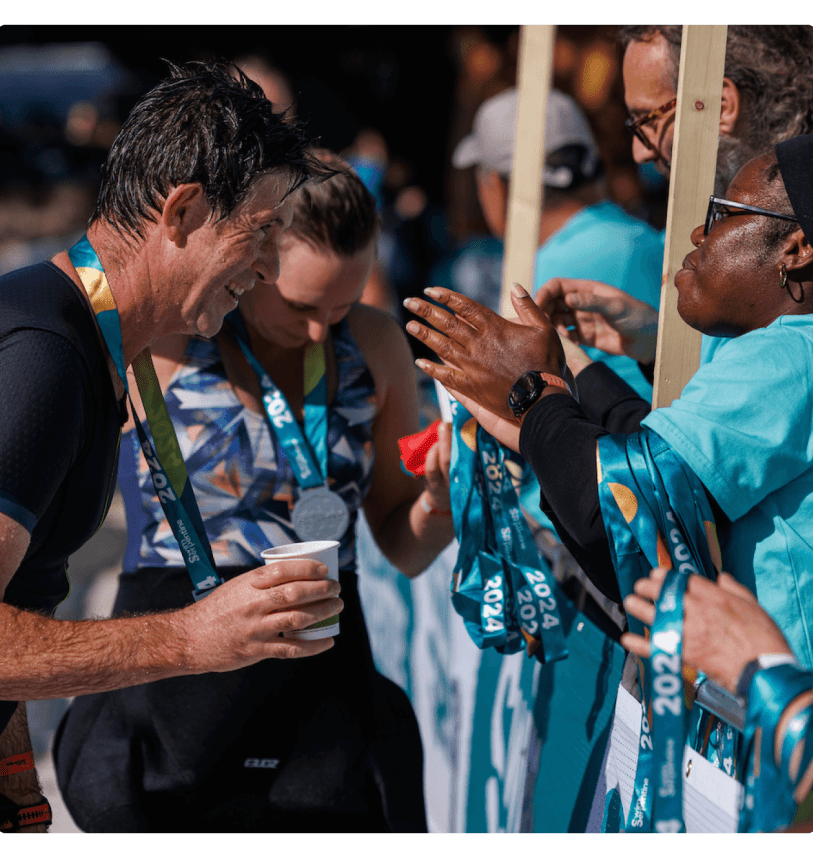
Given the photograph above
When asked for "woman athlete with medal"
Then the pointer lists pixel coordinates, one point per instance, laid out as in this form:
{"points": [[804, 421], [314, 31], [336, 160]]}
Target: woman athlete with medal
{"points": [[288, 422]]}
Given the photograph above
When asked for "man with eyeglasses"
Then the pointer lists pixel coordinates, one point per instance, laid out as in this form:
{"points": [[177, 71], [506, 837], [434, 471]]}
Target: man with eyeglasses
{"points": [[768, 71], [765, 100]]}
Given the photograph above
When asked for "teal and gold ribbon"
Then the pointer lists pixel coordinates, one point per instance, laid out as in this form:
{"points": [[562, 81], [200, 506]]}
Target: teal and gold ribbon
{"points": [[656, 513], [164, 458]]}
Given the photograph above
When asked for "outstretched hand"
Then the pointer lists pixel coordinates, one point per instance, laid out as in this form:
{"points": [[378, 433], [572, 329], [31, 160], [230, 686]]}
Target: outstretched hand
{"points": [[595, 314], [484, 354], [724, 626]]}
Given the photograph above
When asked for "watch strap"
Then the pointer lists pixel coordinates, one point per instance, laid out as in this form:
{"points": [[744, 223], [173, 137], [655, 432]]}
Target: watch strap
{"points": [[13, 817], [521, 397], [744, 680], [761, 663], [555, 381]]}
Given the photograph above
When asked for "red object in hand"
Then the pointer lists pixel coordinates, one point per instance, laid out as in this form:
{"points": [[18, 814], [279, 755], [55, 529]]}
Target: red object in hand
{"points": [[415, 447]]}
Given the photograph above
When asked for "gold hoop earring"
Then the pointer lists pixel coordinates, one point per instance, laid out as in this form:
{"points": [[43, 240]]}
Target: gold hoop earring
{"points": [[783, 284]]}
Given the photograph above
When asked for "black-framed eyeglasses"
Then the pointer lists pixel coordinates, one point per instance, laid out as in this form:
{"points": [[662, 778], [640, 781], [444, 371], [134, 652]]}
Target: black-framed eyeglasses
{"points": [[634, 125], [716, 212]]}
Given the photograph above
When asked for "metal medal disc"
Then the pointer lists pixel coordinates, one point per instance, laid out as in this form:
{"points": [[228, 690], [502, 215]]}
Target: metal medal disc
{"points": [[320, 514]]}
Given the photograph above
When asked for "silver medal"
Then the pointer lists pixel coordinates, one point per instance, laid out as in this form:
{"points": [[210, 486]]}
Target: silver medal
{"points": [[320, 514]]}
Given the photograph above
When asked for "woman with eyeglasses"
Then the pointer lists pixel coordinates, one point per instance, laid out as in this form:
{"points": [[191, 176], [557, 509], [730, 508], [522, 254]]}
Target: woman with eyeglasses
{"points": [[743, 423], [740, 436], [595, 314]]}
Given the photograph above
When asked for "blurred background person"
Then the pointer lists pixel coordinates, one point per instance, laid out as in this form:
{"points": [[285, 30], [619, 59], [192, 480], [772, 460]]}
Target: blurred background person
{"points": [[581, 232], [273, 81]]}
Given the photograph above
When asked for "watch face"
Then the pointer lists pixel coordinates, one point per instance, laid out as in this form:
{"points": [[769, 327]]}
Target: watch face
{"points": [[527, 381], [525, 392]]}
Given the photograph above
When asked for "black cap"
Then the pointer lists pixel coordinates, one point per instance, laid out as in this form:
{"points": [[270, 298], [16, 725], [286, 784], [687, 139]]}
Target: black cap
{"points": [[795, 157]]}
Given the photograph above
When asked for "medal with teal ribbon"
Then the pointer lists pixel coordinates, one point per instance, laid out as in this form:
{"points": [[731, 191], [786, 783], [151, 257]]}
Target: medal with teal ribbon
{"points": [[656, 513], [502, 588], [318, 513], [165, 461]]}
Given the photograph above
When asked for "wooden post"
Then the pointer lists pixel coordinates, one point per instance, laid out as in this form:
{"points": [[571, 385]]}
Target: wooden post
{"points": [[525, 196], [694, 159]]}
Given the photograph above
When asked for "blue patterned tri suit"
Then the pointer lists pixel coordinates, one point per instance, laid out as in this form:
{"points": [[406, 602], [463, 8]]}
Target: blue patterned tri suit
{"points": [[243, 482]]}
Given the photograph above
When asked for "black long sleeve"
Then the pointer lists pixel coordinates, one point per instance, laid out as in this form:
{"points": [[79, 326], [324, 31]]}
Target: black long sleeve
{"points": [[609, 401], [558, 439]]}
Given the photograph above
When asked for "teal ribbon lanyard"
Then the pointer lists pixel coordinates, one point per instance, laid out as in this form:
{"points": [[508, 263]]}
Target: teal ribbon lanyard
{"points": [[504, 591], [307, 453], [668, 713], [164, 459], [768, 803], [631, 542], [727, 748], [641, 472], [535, 606], [799, 731], [476, 572]]}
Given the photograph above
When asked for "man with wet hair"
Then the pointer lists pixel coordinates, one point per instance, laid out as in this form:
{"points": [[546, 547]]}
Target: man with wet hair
{"points": [[194, 196]]}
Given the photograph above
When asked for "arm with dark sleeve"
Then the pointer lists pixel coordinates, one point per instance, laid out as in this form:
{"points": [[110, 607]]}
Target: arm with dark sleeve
{"points": [[559, 442], [608, 401], [41, 429]]}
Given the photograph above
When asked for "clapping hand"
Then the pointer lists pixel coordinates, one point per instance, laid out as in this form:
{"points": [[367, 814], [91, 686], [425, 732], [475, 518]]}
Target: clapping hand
{"points": [[594, 314]]}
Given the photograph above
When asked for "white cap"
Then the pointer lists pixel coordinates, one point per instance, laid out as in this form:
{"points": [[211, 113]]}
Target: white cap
{"points": [[491, 143]]}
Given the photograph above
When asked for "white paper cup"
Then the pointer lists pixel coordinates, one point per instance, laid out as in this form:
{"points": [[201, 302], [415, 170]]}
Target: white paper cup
{"points": [[325, 551]]}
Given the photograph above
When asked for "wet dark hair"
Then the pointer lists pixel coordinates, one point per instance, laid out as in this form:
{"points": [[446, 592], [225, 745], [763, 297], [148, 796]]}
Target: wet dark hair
{"points": [[772, 67], [338, 214], [207, 123]]}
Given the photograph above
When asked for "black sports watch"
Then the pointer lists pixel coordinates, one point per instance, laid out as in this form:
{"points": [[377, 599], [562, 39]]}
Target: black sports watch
{"points": [[528, 388]]}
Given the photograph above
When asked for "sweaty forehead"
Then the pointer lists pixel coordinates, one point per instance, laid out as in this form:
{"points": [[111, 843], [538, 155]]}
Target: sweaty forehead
{"points": [[266, 208], [267, 191]]}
